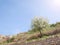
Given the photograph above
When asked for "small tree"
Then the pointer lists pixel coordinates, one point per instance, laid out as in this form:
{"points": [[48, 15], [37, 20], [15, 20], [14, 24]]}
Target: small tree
{"points": [[38, 23]]}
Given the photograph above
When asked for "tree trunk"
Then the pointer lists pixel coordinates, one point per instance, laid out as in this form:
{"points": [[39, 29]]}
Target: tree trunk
{"points": [[40, 34]]}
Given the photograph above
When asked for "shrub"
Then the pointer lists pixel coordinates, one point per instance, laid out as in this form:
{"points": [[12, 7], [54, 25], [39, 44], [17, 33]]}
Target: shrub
{"points": [[38, 24]]}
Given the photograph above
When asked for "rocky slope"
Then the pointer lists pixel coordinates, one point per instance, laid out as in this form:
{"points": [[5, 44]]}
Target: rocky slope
{"points": [[52, 40]]}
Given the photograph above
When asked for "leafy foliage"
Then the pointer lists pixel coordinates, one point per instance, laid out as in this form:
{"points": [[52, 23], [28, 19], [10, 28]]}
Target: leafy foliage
{"points": [[38, 24]]}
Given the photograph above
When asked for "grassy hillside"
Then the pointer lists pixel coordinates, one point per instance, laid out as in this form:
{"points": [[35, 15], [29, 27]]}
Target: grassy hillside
{"points": [[40, 30], [31, 36]]}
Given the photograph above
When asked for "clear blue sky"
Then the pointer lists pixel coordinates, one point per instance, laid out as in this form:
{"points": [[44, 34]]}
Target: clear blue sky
{"points": [[16, 15]]}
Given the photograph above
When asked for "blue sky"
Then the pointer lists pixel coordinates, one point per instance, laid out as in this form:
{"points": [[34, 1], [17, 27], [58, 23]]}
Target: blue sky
{"points": [[16, 15]]}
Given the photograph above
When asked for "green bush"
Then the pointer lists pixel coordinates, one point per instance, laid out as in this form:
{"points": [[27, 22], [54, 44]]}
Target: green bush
{"points": [[10, 40]]}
